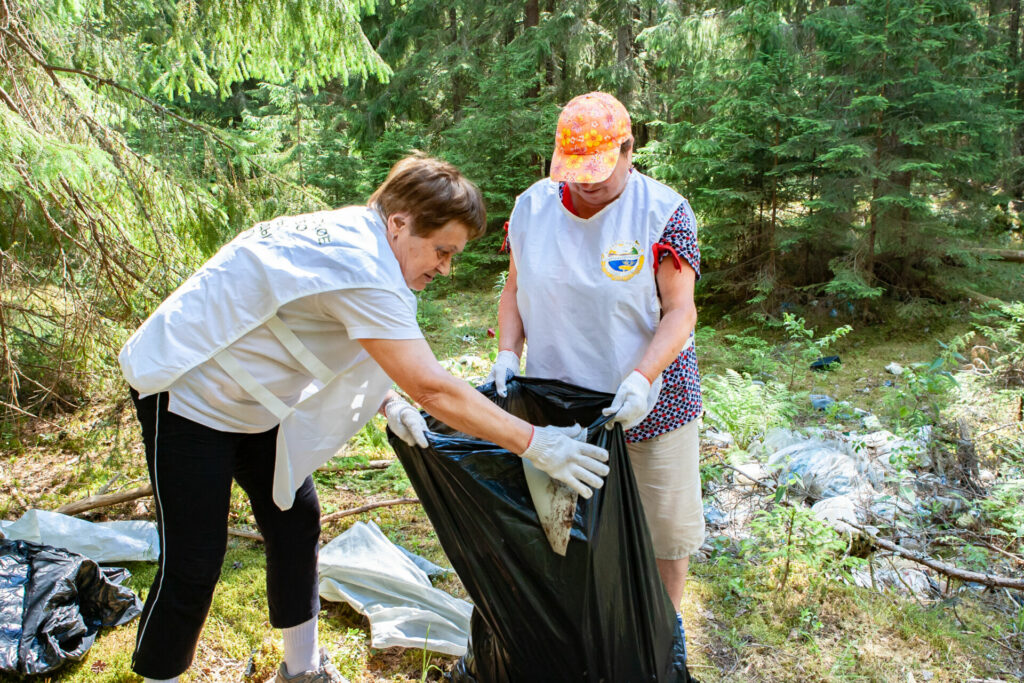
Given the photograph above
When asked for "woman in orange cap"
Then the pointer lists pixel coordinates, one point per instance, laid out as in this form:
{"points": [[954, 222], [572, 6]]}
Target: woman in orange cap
{"points": [[591, 290]]}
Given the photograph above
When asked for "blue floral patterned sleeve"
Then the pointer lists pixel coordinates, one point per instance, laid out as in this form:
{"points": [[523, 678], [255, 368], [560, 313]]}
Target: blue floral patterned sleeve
{"points": [[680, 399]]}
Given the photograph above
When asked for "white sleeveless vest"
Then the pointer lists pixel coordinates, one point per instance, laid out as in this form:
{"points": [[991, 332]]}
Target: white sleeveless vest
{"points": [[240, 288], [586, 288]]}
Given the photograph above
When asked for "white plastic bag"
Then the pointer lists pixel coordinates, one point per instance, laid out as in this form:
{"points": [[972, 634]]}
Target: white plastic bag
{"points": [[366, 570], [124, 541]]}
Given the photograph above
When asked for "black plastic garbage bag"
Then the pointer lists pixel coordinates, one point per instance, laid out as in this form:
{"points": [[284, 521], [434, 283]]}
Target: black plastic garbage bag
{"points": [[601, 612], [52, 603]]}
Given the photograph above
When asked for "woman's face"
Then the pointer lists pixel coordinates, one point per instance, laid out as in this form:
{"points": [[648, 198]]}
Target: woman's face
{"points": [[589, 198], [423, 257]]}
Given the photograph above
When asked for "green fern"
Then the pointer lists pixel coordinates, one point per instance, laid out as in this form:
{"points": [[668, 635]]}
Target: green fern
{"points": [[744, 407]]}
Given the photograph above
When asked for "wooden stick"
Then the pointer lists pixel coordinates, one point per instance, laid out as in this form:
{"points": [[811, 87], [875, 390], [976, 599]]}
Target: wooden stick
{"points": [[93, 502], [363, 508], [245, 533], [371, 465], [253, 536]]}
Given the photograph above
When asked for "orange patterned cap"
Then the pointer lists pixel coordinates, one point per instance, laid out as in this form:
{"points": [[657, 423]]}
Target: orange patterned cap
{"points": [[590, 130]]}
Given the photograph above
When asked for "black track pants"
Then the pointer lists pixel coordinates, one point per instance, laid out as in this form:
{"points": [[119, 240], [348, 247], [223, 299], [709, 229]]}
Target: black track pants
{"points": [[191, 467]]}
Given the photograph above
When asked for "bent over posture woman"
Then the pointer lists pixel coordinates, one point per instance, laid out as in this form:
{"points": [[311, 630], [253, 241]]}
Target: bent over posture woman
{"points": [[260, 366]]}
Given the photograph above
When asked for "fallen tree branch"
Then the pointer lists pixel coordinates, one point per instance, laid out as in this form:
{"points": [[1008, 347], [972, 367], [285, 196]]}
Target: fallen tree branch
{"points": [[371, 506], [1012, 255], [245, 533], [991, 580], [983, 299], [253, 536], [371, 465], [99, 501]]}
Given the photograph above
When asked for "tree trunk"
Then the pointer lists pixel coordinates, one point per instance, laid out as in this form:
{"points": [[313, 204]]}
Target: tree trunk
{"points": [[457, 89], [1016, 184], [770, 241], [874, 208], [1012, 255], [624, 53], [531, 18]]}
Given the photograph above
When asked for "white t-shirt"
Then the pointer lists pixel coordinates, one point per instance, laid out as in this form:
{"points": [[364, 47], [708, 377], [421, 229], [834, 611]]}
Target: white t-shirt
{"points": [[328, 324]]}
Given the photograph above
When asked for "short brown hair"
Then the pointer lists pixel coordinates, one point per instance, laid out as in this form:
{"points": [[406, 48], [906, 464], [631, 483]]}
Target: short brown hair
{"points": [[434, 192]]}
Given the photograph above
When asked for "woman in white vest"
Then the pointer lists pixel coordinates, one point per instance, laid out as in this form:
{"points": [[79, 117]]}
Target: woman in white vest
{"points": [[266, 361], [600, 285]]}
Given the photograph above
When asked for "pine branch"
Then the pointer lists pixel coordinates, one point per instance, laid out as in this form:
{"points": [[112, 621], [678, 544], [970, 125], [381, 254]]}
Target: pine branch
{"points": [[52, 70]]}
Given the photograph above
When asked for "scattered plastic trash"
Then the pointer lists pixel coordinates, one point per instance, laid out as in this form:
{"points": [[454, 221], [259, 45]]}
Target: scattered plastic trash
{"points": [[813, 467], [598, 613], [839, 512], [366, 570], [52, 604], [871, 422], [816, 470], [714, 516], [821, 401], [844, 411], [883, 446], [899, 575], [121, 541], [825, 363], [894, 368], [468, 338], [749, 474], [719, 438]]}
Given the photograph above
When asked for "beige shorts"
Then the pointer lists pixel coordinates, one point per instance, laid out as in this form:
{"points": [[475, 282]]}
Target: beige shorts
{"points": [[667, 470]]}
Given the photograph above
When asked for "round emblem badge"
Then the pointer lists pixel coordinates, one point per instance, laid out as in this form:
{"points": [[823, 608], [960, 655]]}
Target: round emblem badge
{"points": [[622, 260]]}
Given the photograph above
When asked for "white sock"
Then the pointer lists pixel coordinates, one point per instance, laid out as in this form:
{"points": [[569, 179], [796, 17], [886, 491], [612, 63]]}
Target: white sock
{"points": [[161, 680], [300, 648]]}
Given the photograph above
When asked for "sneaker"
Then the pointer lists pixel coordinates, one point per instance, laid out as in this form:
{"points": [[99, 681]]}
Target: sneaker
{"points": [[325, 674]]}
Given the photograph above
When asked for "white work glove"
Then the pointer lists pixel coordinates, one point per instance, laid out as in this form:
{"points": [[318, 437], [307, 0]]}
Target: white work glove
{"points": [[505, 363], [557, 452], [406, 422], [633, 401]]}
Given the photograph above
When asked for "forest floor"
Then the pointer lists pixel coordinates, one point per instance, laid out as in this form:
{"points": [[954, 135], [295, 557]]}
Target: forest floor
{"points": [[744, 621]]}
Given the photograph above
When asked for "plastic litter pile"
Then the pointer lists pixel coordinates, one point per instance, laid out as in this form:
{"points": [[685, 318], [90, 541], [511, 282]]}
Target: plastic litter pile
{"points": [[848, 479]]}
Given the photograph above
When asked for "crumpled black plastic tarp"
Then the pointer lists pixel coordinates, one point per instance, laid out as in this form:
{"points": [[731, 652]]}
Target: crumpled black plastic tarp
{"points": [[52, 603], [601, 612]]}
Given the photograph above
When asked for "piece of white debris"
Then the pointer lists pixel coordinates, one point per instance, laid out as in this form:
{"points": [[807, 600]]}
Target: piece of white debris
{"points": [[894, 368]]}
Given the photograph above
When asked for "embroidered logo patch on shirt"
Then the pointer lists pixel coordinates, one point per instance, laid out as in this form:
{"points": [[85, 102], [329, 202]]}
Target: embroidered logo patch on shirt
{"points": [[622, 260]]}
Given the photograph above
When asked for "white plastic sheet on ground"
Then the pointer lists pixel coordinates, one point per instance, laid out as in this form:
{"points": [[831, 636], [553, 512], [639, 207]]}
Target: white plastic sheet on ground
{"points": [[366, 570], [821, 469], [838, 511], [102, 542], [898, 575]]}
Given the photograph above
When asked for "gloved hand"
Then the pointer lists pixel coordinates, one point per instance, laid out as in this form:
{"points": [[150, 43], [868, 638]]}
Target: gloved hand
{"points": [[406, 422], [505, 363], [633, 401], [557, 452]]}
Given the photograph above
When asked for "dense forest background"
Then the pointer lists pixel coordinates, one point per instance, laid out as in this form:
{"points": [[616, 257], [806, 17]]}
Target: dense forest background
{"points": [[853, 151]]}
